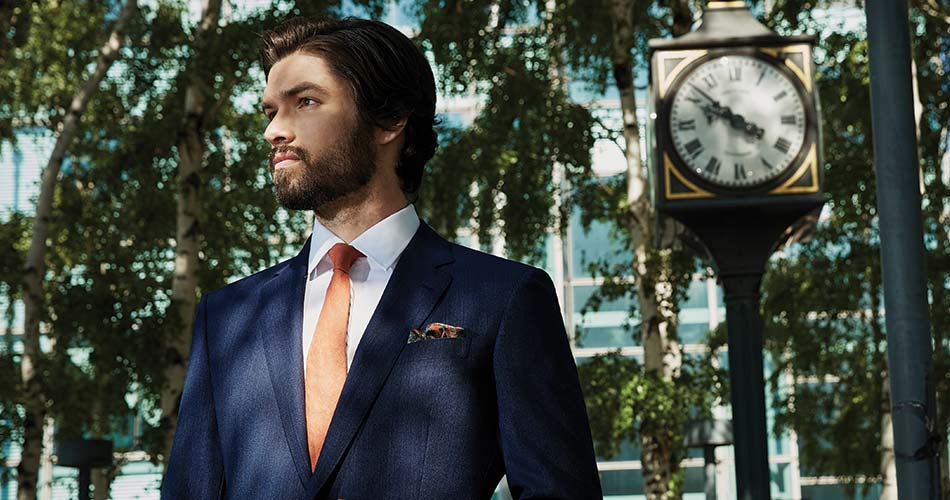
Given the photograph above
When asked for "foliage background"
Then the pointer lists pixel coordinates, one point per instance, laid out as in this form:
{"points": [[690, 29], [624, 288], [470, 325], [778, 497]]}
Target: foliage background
{"points": [[108, 281]]}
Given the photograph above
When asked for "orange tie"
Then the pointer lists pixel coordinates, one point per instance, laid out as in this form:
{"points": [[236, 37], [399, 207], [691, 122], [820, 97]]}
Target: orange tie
{"points": [[326, 357]]}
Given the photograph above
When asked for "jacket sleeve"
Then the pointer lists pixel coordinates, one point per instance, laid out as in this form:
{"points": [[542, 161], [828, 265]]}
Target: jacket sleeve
{"points": [[544, 432], [195, 468]]}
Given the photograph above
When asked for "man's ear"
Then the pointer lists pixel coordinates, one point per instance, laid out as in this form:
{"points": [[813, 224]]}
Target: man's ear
{"points": [[387, 135]]}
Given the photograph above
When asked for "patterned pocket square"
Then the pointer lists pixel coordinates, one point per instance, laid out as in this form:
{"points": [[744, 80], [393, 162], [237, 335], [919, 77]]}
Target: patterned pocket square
{"points": [[436, 331]]}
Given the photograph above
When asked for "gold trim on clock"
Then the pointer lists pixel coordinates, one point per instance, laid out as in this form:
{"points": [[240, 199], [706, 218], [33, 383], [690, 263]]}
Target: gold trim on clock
{"points": [[803, 74], [696, 192], [809, 166], [725, 5], [686, 56]]}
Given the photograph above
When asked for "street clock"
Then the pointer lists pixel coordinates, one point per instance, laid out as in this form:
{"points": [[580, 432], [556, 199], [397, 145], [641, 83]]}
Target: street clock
{"points": [[737, 159], [735, 115]]}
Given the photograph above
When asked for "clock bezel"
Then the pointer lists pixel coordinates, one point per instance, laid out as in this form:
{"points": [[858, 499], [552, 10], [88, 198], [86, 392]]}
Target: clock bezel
{"points": [[664, 134]]}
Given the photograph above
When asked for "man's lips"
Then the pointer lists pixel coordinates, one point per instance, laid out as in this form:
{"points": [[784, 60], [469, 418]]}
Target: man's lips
{"points": [[282, 160], [284, 163]]}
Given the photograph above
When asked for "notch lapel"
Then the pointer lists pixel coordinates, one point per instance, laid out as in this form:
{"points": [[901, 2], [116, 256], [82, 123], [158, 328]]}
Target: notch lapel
{"points": [[281, 313], [413, 290]]}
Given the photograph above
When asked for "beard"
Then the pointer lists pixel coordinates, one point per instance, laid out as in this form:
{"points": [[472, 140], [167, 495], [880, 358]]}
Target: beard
{"points": [[324, 180]]}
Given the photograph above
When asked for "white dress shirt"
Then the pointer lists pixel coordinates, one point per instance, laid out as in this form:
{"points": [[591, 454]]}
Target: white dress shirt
{"points": [[382, 244]]}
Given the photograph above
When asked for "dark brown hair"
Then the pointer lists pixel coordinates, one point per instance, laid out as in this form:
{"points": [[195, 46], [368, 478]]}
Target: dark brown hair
{"points": [[387, 75]]}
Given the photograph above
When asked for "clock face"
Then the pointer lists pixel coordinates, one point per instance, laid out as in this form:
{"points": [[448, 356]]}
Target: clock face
{"points": [[737, 121]]}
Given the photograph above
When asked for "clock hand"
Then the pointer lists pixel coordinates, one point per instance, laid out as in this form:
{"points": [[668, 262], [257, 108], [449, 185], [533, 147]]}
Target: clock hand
{"points": [[707, 96], [739, 122], [716, 109], [735, 120], [711, 112]]}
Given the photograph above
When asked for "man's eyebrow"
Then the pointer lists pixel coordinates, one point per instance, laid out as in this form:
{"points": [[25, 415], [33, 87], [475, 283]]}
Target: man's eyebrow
{"points": [[292, 91]]}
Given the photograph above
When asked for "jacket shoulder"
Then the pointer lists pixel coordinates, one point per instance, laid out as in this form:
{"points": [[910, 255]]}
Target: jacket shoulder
{"points": [[248, 283], [492, 267]]}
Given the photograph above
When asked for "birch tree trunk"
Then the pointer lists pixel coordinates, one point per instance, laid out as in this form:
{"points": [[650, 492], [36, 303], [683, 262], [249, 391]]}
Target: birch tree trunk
{"points": [[888, 467], [34, 392], [191, 149], [650, 265], [888, 464]]}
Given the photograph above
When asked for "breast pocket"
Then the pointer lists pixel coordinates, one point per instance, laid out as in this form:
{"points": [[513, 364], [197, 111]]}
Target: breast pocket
{"points": [[431, 349]]}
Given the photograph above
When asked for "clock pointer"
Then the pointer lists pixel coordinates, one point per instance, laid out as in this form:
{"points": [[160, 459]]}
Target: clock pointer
{"points": [[704, 94], [735, 120]]}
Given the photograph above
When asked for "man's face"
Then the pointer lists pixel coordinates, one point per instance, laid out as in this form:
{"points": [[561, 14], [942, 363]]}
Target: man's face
{"points": [[321, 150]]}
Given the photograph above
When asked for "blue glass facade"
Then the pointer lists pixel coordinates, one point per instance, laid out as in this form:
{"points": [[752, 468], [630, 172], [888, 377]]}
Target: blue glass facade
{"points": [[21, 164]]}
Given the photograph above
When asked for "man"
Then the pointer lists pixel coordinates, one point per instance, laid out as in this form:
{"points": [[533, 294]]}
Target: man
{"points": [[382, 362]]}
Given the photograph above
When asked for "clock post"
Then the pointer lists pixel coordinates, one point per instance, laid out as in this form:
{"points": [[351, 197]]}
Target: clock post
{"points": [[737, 159]]}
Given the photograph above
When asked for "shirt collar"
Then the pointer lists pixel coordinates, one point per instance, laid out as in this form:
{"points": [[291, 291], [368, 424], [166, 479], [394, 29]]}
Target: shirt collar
{"points": [[382, 243]]}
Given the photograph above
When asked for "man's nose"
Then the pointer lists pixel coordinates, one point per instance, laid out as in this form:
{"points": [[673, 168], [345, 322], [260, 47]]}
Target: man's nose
{"points": [[278, 132]]}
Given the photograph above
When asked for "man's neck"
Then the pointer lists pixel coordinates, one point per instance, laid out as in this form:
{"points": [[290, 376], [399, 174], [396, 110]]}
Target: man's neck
{"points": [[360, 212]]}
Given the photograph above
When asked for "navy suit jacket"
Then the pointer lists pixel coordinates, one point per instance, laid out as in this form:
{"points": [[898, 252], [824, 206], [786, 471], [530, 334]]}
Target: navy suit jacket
{"points": [[434, 419]]}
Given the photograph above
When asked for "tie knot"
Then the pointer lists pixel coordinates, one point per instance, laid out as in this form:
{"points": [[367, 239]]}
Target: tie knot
{"points": [[342, 256]]}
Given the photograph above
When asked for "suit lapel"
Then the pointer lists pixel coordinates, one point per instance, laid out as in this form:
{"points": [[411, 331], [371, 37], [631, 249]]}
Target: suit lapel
{"points": [[413, 290], [281, 326]]}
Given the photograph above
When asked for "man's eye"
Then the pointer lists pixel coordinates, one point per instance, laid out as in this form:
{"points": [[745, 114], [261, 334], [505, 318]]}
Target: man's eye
{"points": [[305, 100]]}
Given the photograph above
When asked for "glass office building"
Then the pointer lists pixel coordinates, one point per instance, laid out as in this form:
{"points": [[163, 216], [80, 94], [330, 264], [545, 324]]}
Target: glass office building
{"points": [[566, 259]]}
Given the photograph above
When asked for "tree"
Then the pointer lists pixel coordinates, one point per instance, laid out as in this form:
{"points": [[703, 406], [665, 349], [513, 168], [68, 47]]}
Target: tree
{"points": [[15, 21], [14, 241], [34, 398], [819, 333], [658, 278], [191, 150]]}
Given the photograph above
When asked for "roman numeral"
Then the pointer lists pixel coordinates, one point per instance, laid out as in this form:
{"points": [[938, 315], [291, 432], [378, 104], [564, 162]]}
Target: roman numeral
{"points": [[780, 95], [710, 81], [694, 148], [782, 144], [735, 73], [713, 166], [767, 164], [740, 171], [692, 99], [789, 120], [687, 125], [761, 76]]}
